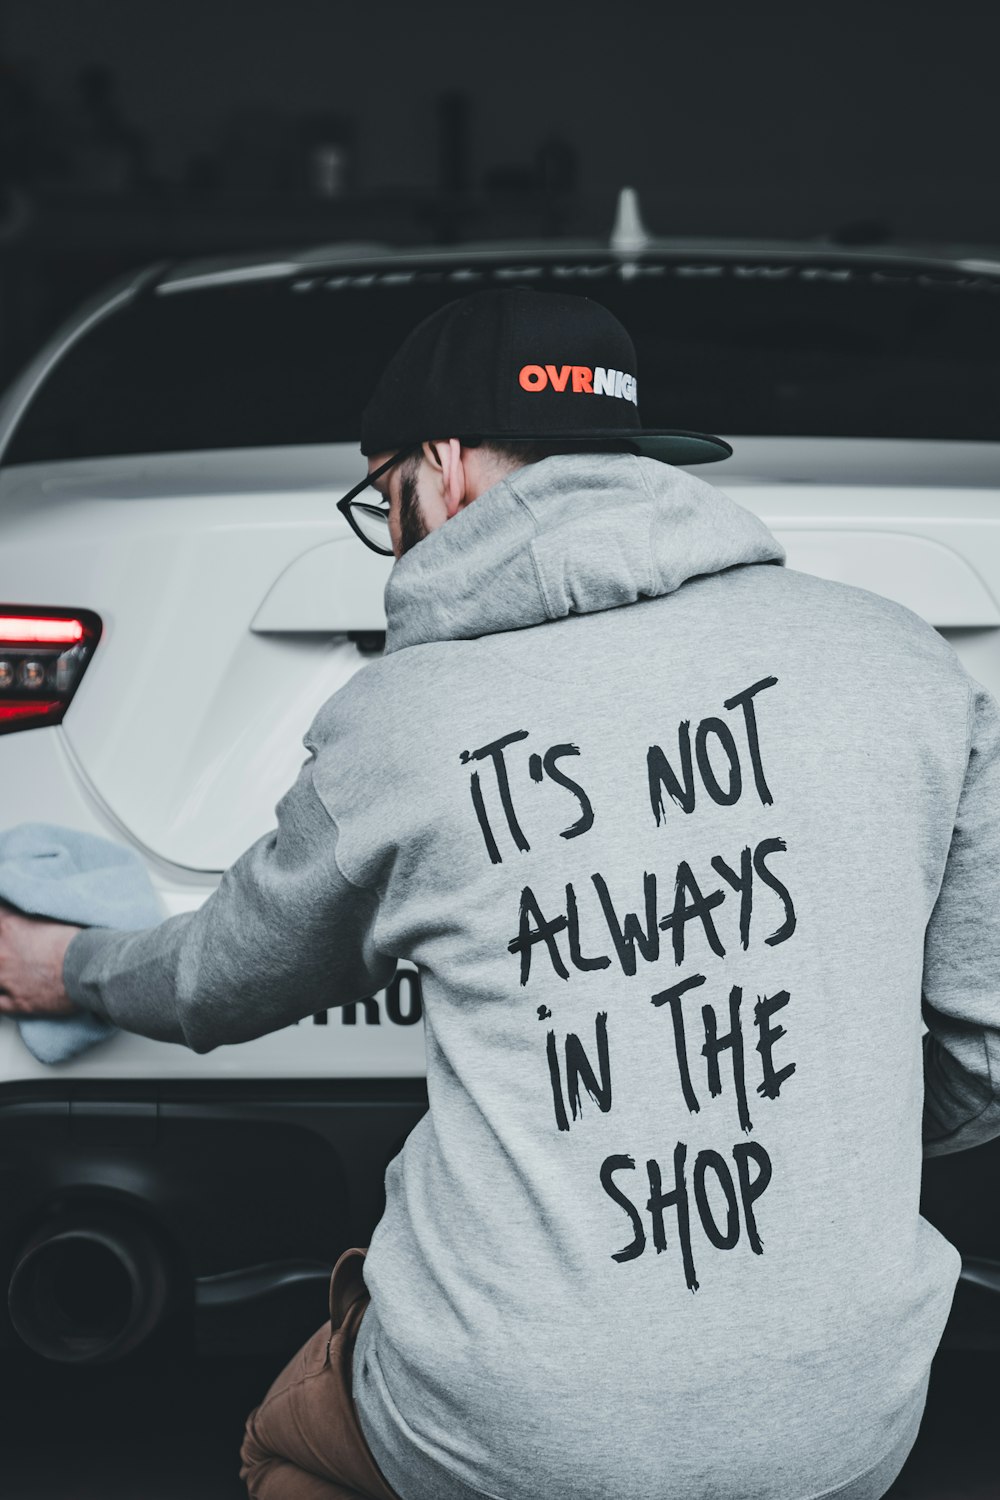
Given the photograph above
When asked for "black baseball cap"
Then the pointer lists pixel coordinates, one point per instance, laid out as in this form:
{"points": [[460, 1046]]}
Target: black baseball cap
{"points": [[516, 363]]}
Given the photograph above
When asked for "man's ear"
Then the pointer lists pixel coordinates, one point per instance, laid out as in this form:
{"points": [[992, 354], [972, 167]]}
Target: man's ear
{"points": [[445, 458]]}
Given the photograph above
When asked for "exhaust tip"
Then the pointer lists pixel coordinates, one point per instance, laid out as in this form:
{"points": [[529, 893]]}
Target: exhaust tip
{"points": [[88, 1291]]}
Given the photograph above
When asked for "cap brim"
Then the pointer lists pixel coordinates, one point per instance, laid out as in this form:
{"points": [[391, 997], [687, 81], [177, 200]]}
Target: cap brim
{"points": [[682, 448], [668, 444]]}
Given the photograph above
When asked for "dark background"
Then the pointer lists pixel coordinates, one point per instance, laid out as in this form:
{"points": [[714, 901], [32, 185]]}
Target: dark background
{"points": [[135, 130]]}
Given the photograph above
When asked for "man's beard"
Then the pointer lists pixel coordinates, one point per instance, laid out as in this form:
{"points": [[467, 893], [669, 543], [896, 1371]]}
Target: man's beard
{"points": [[411, 523]]}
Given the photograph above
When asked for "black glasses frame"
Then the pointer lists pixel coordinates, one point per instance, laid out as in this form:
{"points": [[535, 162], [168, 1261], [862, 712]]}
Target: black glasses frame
{"points": [[347, 503]]}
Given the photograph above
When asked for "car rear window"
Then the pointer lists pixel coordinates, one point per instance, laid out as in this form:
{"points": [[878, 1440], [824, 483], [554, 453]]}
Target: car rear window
{"points": [[756, 346]]}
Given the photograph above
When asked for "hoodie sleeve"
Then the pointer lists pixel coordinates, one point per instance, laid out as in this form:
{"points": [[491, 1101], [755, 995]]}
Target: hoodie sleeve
{"points": [[285, 934], [961, 979]]}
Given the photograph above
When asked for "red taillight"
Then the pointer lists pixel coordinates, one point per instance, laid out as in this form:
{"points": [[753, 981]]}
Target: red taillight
{"points": [[41, 628], [43, 654]]}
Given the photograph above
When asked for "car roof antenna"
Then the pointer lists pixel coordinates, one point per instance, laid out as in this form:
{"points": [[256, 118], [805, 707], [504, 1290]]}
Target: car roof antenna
{"points": [[629, 233]]}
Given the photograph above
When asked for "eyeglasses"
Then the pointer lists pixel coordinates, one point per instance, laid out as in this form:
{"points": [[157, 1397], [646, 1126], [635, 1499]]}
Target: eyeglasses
{"points": [[368, 521]]}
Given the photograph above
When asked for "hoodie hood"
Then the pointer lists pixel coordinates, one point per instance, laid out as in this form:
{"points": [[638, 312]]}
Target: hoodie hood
{"points": [[571, 534]]}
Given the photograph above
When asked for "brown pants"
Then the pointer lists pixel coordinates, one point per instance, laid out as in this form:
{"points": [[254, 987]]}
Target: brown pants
{"points": [[303, 1442]]}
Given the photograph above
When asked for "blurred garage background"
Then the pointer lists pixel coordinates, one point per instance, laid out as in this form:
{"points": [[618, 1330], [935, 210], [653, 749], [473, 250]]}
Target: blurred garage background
{"points": [[137, 130]]}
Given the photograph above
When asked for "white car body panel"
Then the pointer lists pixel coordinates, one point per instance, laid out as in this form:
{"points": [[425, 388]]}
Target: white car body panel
{"points": [[338, 1050], [245, 639]]}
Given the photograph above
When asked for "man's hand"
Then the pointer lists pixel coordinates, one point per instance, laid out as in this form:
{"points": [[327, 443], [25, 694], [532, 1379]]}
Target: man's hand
{"points": [[31, 961]]}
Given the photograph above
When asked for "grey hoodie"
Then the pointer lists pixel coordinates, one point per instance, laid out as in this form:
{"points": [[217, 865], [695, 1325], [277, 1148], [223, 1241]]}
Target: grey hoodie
{"points": [[684, 844]]}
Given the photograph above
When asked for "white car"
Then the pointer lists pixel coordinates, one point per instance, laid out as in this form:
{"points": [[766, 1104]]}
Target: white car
{"points": [[169, 467]]}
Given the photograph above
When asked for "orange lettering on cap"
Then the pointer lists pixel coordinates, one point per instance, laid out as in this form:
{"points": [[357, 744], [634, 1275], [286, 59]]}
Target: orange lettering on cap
{"points": [[583, 379], [560, 377], [532, 378]]}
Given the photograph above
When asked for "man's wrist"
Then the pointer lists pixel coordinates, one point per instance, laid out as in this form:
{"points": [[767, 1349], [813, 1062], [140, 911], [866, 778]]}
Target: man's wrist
{"points": [[76, 956]]}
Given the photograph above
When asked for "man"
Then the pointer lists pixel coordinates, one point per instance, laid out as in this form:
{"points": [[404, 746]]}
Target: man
{"points": [[684, 843]]}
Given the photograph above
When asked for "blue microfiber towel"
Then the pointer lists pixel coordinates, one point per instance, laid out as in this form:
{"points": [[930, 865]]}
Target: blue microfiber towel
{"points": [[47, 870]]}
